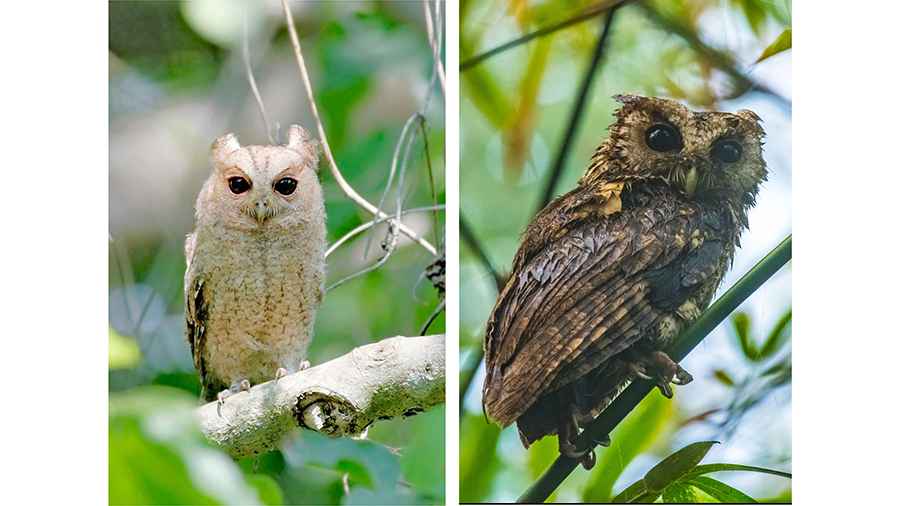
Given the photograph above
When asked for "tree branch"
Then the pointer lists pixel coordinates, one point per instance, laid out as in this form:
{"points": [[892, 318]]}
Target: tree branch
{"points": [[585, 15], [632, 396], [575, 118], [398, 376]]}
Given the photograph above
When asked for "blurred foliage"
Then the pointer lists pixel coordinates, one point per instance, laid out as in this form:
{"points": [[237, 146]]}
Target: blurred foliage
{"points": [[515, 107], [781, 44], [158, 456], [177, 81], [680, 478]]}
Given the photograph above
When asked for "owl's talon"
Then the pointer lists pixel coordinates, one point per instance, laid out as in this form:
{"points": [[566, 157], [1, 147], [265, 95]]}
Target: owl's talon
{"points": [[662, 370], [567, 432], [280, 373], [224, 394], [665, 389], [244, 385], [586, 457], [220, 399], [682, 377], [588, 460], [304, 365], [639, 370]]}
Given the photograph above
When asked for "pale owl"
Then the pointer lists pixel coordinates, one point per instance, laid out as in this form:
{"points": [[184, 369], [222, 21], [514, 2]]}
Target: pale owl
{"points": [[255, 263]]}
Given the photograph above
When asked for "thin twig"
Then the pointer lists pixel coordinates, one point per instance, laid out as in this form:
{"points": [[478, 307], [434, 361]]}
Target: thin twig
{"points": [[585, 15], [577, 111], [438, 239], [369, 224], [717, 58], [435, 44], [468, 374], [252, 80], [433, 317], [395, 159], [687, 341], [335, 172], [466, 231], [389, 244]]}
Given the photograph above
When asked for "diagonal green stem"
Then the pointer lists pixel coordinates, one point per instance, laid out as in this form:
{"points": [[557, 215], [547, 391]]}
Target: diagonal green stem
{"points": [[632, 396]]}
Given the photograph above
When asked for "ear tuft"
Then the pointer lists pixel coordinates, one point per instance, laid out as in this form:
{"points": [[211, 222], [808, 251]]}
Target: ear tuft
{"points": [[627, 99], [753, 119], [302, 142], [225, 145], [297, 137], [749, 115]]}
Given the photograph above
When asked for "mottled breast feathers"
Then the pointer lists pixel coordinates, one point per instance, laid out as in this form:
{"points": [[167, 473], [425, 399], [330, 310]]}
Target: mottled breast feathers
{"points": [[595, 288]]}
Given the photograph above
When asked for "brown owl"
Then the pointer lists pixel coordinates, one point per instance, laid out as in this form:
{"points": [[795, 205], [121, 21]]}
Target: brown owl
{"points": [[608, 274], [255, 263]]}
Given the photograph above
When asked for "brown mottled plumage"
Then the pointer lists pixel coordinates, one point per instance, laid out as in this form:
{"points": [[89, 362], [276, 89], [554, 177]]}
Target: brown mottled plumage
{"points": [[255, 263], [609, 273]]}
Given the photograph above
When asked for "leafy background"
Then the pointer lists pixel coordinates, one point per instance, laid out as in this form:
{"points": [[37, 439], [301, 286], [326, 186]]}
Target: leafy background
{"points": [[514, 109], [177, 81]]}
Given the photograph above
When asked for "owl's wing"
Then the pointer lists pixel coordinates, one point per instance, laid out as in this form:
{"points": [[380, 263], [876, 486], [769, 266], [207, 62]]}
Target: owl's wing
{"points": [[195, 312], [587, 296]]}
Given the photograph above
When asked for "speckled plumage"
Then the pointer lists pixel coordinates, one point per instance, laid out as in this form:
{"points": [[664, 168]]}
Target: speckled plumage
{"points": [[255, 263], [608, 274]]}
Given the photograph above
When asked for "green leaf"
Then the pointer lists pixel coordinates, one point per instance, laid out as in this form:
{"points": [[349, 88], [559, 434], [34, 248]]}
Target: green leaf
{"points": [[720, 491], [777, 337], [541, 455], [723, 377], [679, 493], [784, 497], [781, 370], [782, 43], [478, 463], [740, 323], [714, 468], [422, 460], [372, 469], [637, 433], [632, 492], [124, 352], [157, 454], [676, 465], [267, 488], [755, 12]]}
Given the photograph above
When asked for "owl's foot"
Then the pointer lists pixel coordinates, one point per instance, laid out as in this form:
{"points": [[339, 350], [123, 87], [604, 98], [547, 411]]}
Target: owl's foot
{"points": [[659, 367], [238, 386], [224, 394], [568, 432], [282, 372]]}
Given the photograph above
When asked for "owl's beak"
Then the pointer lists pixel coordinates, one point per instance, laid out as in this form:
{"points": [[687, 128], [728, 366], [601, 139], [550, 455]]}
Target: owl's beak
{"points": [[261, 211], [690, 181]]}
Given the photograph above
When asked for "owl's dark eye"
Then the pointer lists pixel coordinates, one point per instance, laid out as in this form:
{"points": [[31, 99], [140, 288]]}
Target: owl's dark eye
{"points": [[286, 185], [663, 137], [728, 151], [238, 185]]}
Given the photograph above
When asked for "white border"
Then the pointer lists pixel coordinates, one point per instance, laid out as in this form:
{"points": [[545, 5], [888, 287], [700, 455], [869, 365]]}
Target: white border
{"points": [[452, 193], [54, 227]]}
